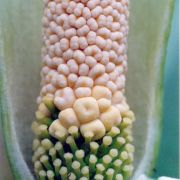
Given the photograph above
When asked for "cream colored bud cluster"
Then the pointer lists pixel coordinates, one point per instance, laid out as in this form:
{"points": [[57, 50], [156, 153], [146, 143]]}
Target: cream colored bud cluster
{"points": [[84, 38], [84, 58], [94, 115]]}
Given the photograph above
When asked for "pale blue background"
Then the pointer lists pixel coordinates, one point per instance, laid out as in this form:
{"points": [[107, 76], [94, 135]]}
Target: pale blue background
{"points": [[168, 159]]}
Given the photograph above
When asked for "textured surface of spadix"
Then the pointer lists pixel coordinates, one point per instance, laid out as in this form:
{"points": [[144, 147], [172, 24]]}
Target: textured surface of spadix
{"points": [[20, 50]]}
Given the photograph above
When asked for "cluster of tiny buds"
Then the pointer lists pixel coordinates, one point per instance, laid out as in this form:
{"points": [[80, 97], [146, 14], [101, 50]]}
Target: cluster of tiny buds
{"points": [[84, 38], [95, 114], [112, 157], [82, 92], [85, 61]]}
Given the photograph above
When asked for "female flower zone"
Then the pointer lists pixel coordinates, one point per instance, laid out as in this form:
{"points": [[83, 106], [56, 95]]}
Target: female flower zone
{"points": [[83, 122]]}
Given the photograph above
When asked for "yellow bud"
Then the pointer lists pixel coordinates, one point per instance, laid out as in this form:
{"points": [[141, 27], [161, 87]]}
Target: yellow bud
{"points": [[86, 109], [56, 127], [68, 118], [110, 118], [42, 108], [104, 104], [95, 127]]}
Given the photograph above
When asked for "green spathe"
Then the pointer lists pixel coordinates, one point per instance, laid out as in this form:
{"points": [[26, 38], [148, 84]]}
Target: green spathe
{"points": [[20, 43]]}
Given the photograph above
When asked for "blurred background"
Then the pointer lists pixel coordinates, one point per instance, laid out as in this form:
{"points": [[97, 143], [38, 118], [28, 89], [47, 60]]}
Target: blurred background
{"points": [[168, 159], [167, 163]]}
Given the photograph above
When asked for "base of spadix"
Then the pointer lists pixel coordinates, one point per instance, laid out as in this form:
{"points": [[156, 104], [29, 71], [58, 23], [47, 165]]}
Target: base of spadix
{"points": [[71, 154]]}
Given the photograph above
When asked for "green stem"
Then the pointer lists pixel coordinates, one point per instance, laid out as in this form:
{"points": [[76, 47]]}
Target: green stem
{"points": [[76, 168], [49, 103], [71, 142], [73, 130], [57, 164], [100, 168], [127, 171], [85, 171], [50, 175], [59, 148], [94, 146], [92, 163], [43, 131], [117, 166], [52, 153], [119, 142], [45, 161], [46, 121], [104, 147], [79, 154], [106, 160], [64, 173], [126, 122], [68, 158], [113, 132], [88, 137], [109, 174], [42, 175]]}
